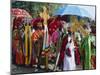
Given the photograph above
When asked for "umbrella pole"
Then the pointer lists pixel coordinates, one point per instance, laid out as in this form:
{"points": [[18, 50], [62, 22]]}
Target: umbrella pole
{"points": [[46, 61], [56, 61]]}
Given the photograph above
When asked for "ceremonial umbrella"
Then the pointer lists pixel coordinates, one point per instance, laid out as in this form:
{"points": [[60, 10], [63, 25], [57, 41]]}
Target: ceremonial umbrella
{"points": [[20, 16], [77, 10], [20, 13]]}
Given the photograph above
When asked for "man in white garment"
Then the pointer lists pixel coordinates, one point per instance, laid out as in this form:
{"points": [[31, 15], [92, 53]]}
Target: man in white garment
{"points": [[69, 58]]}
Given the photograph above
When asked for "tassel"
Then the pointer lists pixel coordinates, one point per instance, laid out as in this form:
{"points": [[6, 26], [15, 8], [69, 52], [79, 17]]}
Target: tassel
{"points": [[26, 44], [30, 41]]}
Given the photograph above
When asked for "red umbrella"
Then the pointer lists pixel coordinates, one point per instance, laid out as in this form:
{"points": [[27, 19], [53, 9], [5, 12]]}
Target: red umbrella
{"points": [[20, 13]]}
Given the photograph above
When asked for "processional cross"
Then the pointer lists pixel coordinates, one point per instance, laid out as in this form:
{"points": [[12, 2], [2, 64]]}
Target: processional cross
{"points": [[45, 16], [77, 25]]}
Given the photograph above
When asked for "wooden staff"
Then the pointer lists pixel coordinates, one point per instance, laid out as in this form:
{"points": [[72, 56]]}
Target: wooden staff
{"points": [[46, 61]]}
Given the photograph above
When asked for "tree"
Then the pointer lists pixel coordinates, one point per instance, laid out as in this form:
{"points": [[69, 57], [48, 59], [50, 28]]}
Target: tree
{"points": [[35, 7]]}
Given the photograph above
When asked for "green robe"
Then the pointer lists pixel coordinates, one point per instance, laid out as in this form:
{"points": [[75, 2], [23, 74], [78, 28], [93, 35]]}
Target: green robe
{"points": [[86, 48]]}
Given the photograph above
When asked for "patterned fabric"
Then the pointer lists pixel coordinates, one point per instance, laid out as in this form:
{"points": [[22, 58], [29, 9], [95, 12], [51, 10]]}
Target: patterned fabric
{"points": [[55, 36], [37, 34]]}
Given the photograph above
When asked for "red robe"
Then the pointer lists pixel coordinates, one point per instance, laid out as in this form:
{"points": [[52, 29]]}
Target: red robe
{"points": [[77, 54], [63, 47]]}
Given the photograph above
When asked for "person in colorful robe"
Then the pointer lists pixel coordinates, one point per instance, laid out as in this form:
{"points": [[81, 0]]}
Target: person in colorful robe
{"points": [[64, 41], [86, 50], [93, 46], [37, 39], [17, 41], [69, 55]]}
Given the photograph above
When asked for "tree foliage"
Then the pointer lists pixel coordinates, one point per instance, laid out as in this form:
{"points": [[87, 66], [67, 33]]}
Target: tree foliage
{"points": [[35, 7]]}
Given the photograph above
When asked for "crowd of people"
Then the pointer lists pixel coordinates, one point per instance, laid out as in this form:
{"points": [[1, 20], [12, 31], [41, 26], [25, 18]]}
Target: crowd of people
{"points": [[65, 44]]}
